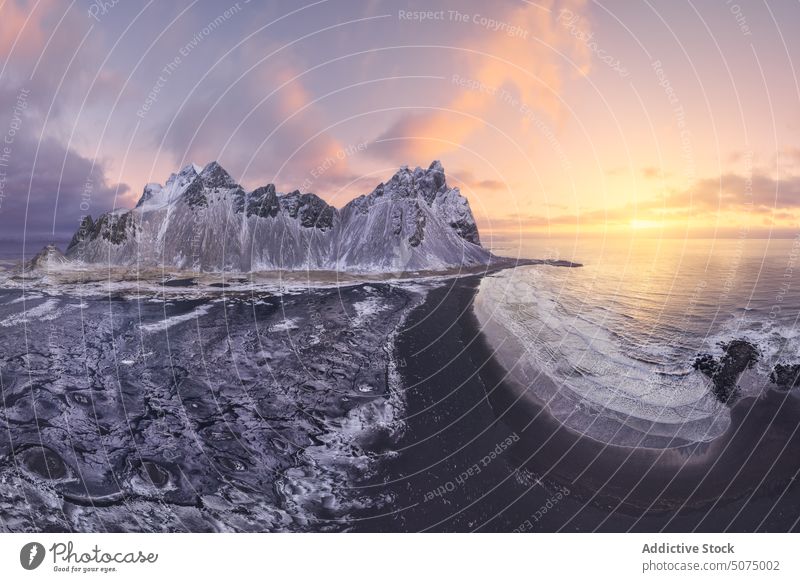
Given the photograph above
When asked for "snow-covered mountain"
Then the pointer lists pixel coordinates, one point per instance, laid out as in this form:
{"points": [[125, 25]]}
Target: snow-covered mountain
{"points": [[201, 219]]}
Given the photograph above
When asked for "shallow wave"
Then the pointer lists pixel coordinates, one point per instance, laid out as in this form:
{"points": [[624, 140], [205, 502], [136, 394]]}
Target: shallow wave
{"points": [[608, 384]]}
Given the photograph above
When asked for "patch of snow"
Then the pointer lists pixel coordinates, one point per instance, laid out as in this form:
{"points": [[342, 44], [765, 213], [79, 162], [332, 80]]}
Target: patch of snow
{"points": [[285, 325], [43, 312], [168, 322], [365, 309]]}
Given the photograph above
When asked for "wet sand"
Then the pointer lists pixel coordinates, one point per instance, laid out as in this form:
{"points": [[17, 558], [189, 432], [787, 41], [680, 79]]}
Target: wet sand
{"points": [[461, 403]]}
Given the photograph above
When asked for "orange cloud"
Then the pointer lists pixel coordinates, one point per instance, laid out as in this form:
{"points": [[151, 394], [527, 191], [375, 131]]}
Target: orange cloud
{"points": [[531, 63], [20, 29]]}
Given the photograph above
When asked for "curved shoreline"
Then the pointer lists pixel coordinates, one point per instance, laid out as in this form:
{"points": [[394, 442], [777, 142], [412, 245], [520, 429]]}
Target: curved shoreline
{"points": [[759, 450], [461, 401]]}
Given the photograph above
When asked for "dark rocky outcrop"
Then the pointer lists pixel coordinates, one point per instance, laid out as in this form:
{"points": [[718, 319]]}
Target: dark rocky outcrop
{"points": [[738, 356], [195, 195], [262, 202], [419, 228], [215, 177], [467, 230], [84, 232], [312, 210], [786, 376], [114, 227]]}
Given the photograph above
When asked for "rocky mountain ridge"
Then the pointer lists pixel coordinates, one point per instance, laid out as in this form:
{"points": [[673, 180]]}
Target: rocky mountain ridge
{"points": [[202, 219]]}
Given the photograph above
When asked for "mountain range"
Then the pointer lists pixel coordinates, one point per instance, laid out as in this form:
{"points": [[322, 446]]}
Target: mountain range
{"points": [[201, 219]]}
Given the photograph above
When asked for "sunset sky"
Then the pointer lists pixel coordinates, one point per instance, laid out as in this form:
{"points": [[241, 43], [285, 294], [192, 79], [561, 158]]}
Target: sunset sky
{"points": [[665, 117]]}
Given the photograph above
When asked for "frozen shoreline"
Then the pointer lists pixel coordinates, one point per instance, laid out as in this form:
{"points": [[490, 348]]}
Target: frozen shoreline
{"points": [[95, 280], [223, 413]]}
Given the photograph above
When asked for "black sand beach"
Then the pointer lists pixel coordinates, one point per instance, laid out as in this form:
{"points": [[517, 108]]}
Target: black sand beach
{"points": [[289, 425], [476, 456]]}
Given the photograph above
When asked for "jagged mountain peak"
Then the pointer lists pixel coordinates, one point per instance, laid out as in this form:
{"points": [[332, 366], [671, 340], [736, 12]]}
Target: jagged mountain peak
{"points": [[215, 176], [156, 196], [407, 184], [436, 166], [268, 189], [190, 184], [261, 202], [312, 210], [417, 182], [211, 180], [186, 174], [150, 191]]}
